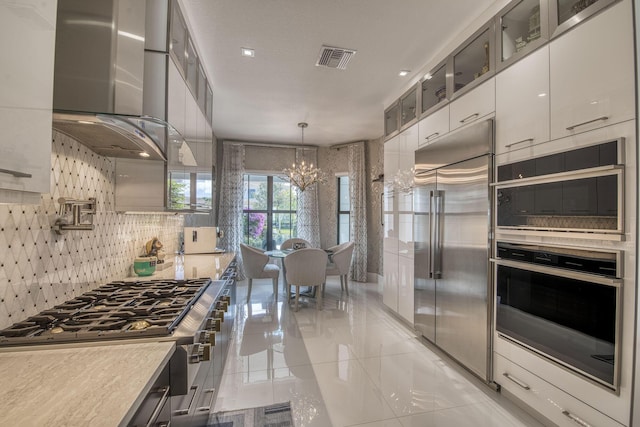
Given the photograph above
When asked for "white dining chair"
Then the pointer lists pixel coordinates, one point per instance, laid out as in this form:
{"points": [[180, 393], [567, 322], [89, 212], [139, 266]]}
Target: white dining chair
{"points": [[256, 266], [290, 243], [340, 263], [306, 267]]}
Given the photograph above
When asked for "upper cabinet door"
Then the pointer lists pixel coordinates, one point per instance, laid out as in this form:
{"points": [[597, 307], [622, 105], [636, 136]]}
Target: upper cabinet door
{"points": [[474, 105], [409, 107], [592, 73], [522, 103], [26, 99], [522, 27], [391, 120]]}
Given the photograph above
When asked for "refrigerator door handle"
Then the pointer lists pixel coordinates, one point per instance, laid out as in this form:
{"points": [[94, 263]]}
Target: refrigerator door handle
{"points": [[436, 249], [430, 244]]}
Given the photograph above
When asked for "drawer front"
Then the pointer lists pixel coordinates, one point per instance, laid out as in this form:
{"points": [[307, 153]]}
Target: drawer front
{"points": [[560, 407], [474, 105], [434, 126]]}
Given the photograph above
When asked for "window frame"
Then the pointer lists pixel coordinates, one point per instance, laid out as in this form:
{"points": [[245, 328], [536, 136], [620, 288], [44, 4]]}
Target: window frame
{"points": [[339, 212], [269, 211]]}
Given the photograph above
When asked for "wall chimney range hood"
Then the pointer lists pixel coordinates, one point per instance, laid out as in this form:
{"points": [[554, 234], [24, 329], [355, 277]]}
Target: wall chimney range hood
{"points": [[100, 78]]}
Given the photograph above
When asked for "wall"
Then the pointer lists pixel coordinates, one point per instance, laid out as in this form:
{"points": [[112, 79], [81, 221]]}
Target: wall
{"points": [[39, 269]]}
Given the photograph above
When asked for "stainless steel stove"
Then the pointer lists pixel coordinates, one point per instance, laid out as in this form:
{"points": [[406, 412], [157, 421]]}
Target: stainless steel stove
{"points": [[118, 310], [196, 314]]}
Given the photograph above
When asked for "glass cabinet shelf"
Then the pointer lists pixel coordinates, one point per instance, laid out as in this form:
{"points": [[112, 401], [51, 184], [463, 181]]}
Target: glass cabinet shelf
{"points": [[434, 88]]}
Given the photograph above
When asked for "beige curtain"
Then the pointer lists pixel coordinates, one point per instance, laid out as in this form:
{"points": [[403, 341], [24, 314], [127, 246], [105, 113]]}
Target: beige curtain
{"points": [[308, 217], [358, 213], [231, 199]]}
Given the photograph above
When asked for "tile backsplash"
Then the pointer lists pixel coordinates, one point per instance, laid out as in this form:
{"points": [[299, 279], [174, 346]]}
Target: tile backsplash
{"points": [[40, 269]]}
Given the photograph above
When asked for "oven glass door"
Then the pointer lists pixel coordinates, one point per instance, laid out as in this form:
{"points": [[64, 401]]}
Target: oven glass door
{"points": [[574, 322]]}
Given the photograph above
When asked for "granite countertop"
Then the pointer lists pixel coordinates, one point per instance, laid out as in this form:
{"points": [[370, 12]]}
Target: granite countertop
{"points": [[78, 386], [91, 384]]}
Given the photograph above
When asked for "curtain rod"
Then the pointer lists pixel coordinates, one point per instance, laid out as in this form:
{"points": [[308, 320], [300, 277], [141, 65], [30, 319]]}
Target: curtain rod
{"points": [[344, 145], [268, 145]]}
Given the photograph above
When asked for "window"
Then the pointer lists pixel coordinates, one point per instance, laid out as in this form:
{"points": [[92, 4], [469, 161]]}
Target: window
{"points": [[269, 211], [344, 208]]}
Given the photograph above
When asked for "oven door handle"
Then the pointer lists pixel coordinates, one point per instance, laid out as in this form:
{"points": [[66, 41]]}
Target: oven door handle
{"points": [[568, 274]]}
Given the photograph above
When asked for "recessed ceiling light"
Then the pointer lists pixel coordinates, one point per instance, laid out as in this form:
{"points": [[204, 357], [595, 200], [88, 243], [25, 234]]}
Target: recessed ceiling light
{"points": [[246, 51], [143, 154], [403, 73], [428, 76]]}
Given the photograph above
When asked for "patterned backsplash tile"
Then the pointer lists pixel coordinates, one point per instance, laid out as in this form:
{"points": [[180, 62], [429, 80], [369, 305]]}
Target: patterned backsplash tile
{"points": [[40, 269]]}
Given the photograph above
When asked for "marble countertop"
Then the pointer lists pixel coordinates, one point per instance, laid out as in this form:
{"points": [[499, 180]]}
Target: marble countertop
{"points": [[78, 386], [192, 267], [91, 384]]}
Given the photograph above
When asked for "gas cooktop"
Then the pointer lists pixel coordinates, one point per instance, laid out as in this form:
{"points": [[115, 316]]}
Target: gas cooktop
{"points": [[147, 308]]}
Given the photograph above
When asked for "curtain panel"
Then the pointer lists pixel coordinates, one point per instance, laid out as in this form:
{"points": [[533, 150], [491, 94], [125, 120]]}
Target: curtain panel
{"points": [[358, 213], [308, 218], [231, 199]]}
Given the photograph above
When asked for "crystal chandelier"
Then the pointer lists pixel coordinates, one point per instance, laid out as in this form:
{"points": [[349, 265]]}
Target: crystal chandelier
{"points": [[303, 175]]}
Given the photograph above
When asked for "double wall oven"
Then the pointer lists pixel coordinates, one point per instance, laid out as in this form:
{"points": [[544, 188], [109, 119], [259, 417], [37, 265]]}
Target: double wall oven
{"points": [[197, 314], [558, 267]]}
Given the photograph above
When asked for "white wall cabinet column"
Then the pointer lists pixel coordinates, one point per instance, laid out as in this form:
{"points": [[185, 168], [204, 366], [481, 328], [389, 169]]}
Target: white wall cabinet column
{"points": [[398, 228], [26, 99], [522, 103], [592, 73]]}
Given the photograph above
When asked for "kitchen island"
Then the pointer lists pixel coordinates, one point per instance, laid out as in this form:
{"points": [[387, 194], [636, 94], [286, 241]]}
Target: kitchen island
{"points": [[97, 383]]}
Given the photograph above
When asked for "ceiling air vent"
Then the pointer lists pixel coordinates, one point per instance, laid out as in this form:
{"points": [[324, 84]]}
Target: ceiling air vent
{"points": [[334, 57]]}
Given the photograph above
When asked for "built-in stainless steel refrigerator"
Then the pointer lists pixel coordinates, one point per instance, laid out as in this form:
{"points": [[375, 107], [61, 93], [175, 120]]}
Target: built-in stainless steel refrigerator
{"points": [[452, 235]]}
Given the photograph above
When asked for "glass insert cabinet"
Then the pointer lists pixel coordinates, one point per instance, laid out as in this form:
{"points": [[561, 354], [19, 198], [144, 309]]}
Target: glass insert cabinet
{"points": [[521, 27]]}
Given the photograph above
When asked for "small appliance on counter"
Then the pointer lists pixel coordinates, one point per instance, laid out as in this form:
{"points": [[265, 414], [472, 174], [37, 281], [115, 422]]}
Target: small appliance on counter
{"points": [[201, 240]]}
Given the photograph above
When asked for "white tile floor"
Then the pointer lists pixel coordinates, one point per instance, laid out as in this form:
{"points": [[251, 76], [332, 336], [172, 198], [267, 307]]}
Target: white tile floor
{"points": [[351, 364]]}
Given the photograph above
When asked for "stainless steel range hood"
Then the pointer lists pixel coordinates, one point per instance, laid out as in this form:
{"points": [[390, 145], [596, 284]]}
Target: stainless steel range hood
{"points": [[99, 78]]}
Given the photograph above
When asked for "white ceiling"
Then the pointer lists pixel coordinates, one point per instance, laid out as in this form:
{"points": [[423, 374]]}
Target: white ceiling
{"points": [[263, 98]]}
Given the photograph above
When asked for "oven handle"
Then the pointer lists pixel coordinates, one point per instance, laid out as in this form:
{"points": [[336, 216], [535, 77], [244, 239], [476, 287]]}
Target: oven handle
{"points": [[561, 176], [568, 274]]}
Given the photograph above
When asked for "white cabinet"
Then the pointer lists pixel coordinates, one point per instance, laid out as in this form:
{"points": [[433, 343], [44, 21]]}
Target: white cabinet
{"points": [[592, 73], [26, 99], [140, 185], [405, 288], [433, 126], [398, 222], [390, 284], [522, 103], [561, 408], [473, 105]]}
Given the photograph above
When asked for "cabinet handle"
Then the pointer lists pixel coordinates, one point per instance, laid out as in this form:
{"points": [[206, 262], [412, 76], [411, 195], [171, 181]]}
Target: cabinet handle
{"points": [[576, 419], [473, 116], [517, 381], [208, 408], [160, 405], [518, 142], [17, 174], [603, 118], [432, 135]]}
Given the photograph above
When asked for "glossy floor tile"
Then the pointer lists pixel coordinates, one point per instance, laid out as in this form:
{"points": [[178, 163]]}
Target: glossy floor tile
{"points": [[349, 364]]}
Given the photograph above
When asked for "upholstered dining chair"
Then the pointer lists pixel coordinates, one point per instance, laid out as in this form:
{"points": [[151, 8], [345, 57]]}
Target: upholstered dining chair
{"points": [[256, 267], [306, 267], [290, 243], [340, 263]]}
